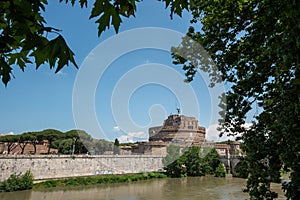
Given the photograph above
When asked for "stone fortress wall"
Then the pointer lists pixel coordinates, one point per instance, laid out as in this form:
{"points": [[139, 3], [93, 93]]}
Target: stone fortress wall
{"points": [[53, 166]]}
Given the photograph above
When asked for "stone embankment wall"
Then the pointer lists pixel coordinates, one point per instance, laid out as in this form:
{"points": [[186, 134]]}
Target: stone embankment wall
{"points": [[50, 166]]}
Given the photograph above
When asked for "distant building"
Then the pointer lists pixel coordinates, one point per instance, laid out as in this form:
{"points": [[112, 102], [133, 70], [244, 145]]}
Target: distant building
{"points": [[178, 129], [150, 148], [182, 131]]}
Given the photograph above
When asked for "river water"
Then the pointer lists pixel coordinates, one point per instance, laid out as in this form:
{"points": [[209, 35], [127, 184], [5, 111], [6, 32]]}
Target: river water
{"points": [[200, 188]]}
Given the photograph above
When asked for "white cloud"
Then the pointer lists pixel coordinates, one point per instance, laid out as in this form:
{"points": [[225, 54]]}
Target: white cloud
{"points": [[133, 137], [116, 129], [212, 133], [124, 139], [61, 73], [10, 133]]}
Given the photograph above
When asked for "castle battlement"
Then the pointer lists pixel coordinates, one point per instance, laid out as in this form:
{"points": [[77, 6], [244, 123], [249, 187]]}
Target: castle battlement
{"points": [[178, 129]]}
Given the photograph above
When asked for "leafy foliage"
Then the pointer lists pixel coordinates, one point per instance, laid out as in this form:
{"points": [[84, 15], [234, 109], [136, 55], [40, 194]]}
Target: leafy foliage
{"points": [[10, 141], [194, 161], [173, 152], [242, 169], [254, 47], [23, 38], [70, 142], [78, 141], [24, 32], [17, 182], [212, 158], [220, 171], [174, 162]]}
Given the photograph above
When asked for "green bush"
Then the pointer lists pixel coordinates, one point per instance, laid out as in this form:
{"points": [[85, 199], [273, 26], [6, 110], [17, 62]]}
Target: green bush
{"points": [[17, 182], [195, 161], [220, 171]]}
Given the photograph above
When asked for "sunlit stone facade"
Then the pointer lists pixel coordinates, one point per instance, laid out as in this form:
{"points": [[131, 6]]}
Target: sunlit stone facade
{"points": [[178, 129]]}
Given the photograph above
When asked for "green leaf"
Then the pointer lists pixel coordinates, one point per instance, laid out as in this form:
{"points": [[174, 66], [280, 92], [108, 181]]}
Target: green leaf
{"points": [[83, 3], [116, 19], [40, 57], [56, 51], [98, 8], [104, 22], [5, 71]]}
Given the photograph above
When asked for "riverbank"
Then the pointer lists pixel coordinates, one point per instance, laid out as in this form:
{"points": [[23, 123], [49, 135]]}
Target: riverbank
{"points": [[99, 179], [192, 188]]}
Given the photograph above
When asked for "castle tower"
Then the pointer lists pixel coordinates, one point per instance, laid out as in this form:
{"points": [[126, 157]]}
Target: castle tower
{"points": [[178, 129]]}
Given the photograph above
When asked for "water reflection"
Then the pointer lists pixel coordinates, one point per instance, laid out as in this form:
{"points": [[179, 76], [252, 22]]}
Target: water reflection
{"points": [[200, 188]]}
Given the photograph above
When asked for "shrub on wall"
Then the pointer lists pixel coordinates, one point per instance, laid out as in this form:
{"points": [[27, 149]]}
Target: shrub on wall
{"points": [[17, 182]]}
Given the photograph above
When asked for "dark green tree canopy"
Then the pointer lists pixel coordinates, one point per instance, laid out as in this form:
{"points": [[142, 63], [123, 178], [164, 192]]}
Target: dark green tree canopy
{"points": [[73, 141], [254, 46], [23, 38], [24, 34], [191, 161]]}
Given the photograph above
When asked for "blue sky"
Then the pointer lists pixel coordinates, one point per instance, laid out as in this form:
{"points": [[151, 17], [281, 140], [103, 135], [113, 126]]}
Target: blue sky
{"points": [[39, 99]]}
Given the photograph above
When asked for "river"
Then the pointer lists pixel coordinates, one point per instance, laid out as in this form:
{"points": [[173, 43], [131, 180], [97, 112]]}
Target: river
{"points": [[200, 188]]}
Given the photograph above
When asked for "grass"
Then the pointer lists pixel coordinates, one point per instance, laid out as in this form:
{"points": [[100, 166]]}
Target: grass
{"points": [[99, 179]]}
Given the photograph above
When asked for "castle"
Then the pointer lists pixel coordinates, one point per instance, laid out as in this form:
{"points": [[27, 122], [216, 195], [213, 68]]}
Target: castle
{"points": [[178, 130]]}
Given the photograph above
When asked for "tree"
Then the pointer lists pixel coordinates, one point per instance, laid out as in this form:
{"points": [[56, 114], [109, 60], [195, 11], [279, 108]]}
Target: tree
{"points": [[24, 32], [220, 170], [11, 142], [173, 152], [191, 161], [212, 158], [81, 141], [77, 142], [23, 38], [195, 163], [64, 146], [242, 169], [50, 135], [174, 162], [23, 141], [102, 145], [116, 147], [254, 47], [177, 168], [34, 138]]}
